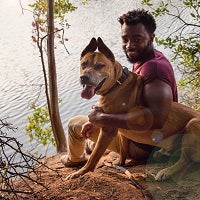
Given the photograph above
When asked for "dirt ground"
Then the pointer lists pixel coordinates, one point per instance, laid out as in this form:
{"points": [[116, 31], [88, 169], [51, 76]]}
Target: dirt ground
{"points": [[107, 183]]}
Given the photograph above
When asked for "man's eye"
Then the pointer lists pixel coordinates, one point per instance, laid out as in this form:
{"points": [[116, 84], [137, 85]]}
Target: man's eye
{"points": [[137, 40], [124, 40], [98, 66]]}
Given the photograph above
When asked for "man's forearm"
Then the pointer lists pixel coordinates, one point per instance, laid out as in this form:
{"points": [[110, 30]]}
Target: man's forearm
{"points": [[140, 119]]}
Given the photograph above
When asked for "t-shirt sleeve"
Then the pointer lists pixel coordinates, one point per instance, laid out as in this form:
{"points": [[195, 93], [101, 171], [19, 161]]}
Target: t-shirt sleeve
{"points": [[151, 71], [158, 68]]}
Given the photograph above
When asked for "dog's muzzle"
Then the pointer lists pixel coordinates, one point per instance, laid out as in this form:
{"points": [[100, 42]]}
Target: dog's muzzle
{"points": [[90, 87], [84, 79]]}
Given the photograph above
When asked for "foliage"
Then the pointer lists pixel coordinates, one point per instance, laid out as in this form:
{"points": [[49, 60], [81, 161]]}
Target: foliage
{"points": [[39, 126], [61, 7], [184, 41]]}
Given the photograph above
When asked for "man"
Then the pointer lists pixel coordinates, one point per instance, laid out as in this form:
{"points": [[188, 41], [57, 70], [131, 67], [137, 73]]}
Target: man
{"points": [[137, 33]]}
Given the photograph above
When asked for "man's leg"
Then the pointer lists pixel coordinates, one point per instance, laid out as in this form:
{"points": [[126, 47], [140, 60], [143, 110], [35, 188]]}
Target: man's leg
{"points": [[76, 142]]}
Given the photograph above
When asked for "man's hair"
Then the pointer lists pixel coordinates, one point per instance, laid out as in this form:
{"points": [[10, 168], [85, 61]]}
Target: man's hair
{"points": [[139, 16]]}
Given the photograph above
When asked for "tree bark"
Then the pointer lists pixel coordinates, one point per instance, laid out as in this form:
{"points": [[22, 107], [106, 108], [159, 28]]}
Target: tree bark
{"points": [[56, 123]]}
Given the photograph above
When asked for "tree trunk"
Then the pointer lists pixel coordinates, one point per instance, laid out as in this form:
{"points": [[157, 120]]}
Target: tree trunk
{"points": [[53, 92]]}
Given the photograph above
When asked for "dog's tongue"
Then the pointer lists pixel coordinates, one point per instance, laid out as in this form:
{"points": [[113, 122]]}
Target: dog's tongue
{"points": [[88, 92]]}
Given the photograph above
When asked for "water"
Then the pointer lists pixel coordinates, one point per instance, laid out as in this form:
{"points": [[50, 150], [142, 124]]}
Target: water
{"points": [[20, 68]]}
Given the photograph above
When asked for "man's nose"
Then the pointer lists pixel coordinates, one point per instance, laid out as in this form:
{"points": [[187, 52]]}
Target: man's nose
{"points": [[130, 44]]}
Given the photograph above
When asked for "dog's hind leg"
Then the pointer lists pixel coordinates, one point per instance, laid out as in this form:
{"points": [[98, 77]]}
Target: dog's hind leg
{"points": [[190, 151], [124, 146]]}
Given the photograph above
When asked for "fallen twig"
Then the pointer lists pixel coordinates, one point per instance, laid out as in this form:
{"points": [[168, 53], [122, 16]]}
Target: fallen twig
{"points": [[146, 194]]}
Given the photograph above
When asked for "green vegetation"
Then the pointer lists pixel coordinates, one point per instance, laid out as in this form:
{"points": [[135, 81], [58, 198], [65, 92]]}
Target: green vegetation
{"points": [[184, 42], [61, 7], [43, 126], [39, 127]]}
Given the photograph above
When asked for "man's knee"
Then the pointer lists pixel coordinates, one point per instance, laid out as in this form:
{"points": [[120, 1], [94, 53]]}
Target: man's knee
{"points": [[75, 123]]}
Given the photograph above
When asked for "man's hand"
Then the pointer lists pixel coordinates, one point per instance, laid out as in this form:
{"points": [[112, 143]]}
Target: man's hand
{"points": [[95, 116], [93, 123], [87, 129]]}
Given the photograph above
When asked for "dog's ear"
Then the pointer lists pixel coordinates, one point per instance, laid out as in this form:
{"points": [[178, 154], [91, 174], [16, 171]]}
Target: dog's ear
{"points": [[104, 49], [91, 47]]}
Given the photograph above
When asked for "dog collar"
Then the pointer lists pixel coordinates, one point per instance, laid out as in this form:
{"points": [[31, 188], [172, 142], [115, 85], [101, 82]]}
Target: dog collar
{"points": [[123, 77]]}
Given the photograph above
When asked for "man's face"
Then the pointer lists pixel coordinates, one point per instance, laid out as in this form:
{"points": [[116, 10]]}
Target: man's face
{"points": [[136, 41]]}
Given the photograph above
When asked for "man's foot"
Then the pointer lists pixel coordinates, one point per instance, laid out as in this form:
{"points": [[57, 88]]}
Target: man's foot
{"points": [[161, 155], [68, 163]]}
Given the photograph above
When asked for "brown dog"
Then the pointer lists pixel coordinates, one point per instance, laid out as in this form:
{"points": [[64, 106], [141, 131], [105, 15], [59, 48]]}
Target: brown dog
{"points": [[120, 92]]}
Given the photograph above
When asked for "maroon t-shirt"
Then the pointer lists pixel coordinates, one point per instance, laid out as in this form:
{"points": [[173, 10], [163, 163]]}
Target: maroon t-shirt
{"points": [[157, 67]]}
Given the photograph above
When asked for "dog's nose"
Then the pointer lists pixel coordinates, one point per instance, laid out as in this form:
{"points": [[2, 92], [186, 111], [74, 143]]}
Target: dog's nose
{"points": [[84, 78]]}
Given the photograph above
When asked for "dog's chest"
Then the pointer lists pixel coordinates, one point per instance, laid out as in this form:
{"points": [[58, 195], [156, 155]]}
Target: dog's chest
{"points": [[125, 97], [114, 104]]}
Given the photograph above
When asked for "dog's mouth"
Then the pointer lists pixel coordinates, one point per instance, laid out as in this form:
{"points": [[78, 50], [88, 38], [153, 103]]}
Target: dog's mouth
{"points": [[89, 90]]}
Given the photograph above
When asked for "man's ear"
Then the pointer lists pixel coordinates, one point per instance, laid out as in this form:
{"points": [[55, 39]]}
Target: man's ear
{"points": [[152, 36], [91, 47], [105, 50]]}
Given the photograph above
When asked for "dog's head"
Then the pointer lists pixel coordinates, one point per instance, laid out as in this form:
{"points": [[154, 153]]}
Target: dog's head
{"points": [[96, 68]]}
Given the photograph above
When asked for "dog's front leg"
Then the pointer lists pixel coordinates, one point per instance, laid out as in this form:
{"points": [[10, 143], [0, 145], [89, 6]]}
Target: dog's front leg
{"points": [[105, 137]]}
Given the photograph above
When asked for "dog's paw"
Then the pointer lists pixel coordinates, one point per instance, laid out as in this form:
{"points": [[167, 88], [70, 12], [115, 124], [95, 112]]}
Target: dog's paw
{"points": [[75, 175], [163, 175], [120, 162], [78, 173]]}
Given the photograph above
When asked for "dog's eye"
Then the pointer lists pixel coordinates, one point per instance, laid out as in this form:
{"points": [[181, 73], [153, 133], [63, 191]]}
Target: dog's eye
{"points": [[84, 64], [98, 66]]}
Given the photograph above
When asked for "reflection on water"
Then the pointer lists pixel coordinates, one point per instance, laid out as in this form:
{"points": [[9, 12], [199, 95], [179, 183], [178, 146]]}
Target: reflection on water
{"points": [[20, 69]]}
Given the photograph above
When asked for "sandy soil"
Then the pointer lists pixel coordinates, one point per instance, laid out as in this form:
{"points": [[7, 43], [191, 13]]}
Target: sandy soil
{"points": [[107, 183]]}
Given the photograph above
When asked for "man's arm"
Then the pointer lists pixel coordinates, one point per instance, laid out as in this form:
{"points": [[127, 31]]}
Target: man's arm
{"points": [[157, 97], [139, 118]]}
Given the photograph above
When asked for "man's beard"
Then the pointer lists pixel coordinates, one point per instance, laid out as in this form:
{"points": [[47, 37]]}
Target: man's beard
{"points": [[144, 54]]}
